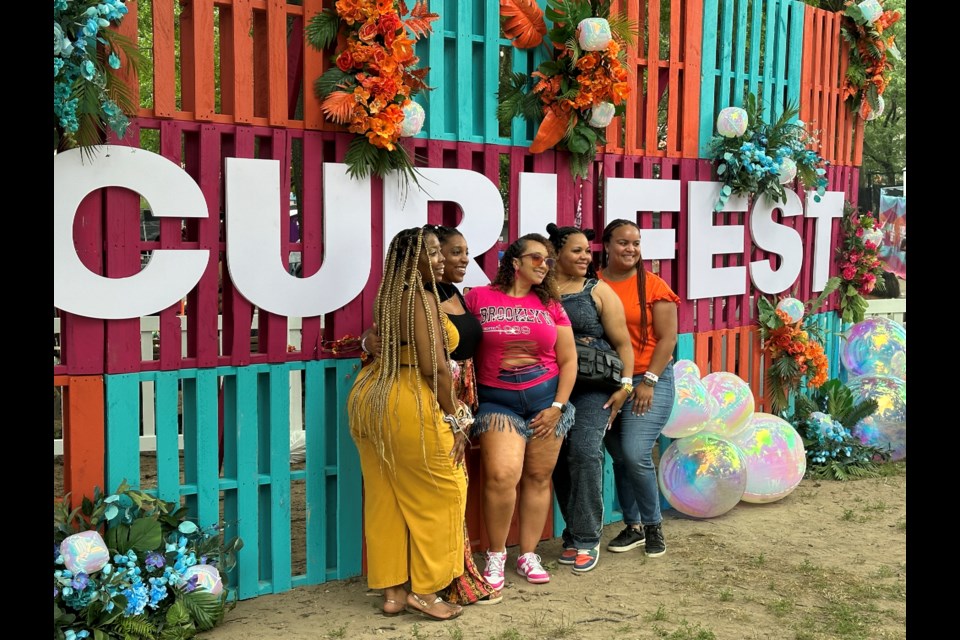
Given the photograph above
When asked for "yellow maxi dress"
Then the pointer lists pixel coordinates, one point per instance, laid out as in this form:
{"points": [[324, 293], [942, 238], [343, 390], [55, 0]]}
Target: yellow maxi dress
{"points": [[414, 494]]}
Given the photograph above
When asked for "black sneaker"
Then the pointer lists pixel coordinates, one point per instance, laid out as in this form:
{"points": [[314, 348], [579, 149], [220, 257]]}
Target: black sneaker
{"points": [[656, 547], [626, 540]]}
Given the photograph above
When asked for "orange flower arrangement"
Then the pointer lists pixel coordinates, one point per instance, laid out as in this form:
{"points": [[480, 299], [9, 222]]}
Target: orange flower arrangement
{"points": [[370, 87], [577, 93], [793, 353]]}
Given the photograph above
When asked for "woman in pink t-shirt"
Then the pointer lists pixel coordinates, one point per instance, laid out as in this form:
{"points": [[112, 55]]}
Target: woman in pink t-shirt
{"points": [[526, 366]]}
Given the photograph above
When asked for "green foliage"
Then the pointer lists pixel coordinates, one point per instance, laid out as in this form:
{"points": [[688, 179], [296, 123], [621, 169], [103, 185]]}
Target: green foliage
{"points": [[333, 80], [824, 421], [322, 30], [363, 159]]}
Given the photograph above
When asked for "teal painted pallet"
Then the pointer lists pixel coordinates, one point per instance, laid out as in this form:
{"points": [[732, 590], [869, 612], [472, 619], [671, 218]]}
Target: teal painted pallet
{"points": [[754, 46], [464, 54], [254, 489]]}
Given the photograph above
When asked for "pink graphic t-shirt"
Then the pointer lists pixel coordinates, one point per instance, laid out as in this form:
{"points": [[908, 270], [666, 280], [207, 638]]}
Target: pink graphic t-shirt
{"points": [[514, 327]]}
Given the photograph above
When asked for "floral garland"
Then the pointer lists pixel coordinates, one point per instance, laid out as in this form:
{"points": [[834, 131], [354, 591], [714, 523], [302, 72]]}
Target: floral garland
{"points": [[87, 97], [863, 25], [752, 157], [579, 92], [151, 574], [369, 89], [795, 353], [861, 270]]}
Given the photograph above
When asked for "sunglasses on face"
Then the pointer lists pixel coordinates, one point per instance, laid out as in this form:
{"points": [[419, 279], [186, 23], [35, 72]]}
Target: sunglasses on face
{"points": [[536, 260]]}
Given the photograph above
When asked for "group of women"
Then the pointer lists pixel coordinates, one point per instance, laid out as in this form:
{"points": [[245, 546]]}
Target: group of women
{"points": [[499, 365]]}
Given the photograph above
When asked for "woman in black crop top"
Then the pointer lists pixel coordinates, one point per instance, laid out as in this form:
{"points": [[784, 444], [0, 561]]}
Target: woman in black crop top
{"points": [[470, 587]]}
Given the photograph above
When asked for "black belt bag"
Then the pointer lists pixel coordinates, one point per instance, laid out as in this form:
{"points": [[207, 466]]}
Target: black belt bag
{"points": [[597, 369]]}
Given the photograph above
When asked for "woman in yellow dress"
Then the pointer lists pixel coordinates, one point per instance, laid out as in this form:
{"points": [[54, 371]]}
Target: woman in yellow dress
{"points": [[410, 433]]}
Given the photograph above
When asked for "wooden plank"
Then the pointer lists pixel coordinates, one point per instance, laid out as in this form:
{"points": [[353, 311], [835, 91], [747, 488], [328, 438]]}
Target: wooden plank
{"points": [[277, 413], [164, 60], [205, 438], [83, 436], [739, 67], [276, 45], [236, 64], [166, 402], [241, 396], [122, 394], [122, 260], [314, 65], [708, 85], [81, 338], [349, 499], [316, 459], [694, 41]]}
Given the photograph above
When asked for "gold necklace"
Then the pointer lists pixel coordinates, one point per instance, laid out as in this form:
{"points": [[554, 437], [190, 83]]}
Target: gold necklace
{"points": [[570, 280]]}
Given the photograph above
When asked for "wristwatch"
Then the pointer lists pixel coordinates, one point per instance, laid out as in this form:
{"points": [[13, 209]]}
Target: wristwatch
{"points": [[560, 405], [627, 384], [650, 379]]}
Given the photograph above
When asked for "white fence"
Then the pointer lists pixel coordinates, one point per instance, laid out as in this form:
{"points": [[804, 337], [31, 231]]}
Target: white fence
{"points": [[149, 325], [893, 308]]}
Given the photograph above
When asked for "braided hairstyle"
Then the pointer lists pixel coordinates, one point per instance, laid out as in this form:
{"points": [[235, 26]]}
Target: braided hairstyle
{"points": [[558, 238], [401, 276], [546, 290], [443, 233], [641, 273]]}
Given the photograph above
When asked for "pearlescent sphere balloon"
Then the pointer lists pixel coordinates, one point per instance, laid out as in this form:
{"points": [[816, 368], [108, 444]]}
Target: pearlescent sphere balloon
{"points": [[788, 170], [683, 367], [691, 408], [732, 122], [84, 552], [593, 34], [868, 113], [876, 346], [703, 475], [413, 118], [887, 427], [792, 307], [874, 236], [775, 458], [871, 10], [208, 577], [602, 114], [735, 403]]}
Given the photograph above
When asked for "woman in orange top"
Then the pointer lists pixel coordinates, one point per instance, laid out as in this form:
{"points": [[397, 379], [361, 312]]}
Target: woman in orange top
{"points": [[653, 334]]}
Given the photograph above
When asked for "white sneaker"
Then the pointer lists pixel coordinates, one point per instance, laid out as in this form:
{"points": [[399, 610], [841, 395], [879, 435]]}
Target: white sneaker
{"points": [[528, 565], [493, 572]]}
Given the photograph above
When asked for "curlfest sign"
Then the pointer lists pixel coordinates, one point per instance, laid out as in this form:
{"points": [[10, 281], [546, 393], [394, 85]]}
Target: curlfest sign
{"points": [[253, 223]]}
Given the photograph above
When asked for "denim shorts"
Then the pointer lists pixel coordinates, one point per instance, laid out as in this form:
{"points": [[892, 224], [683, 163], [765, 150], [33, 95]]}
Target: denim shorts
{"points": [[519, 406]]}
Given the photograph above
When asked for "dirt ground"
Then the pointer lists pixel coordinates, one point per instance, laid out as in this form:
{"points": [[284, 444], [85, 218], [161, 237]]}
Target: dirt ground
{"points": [[827, 561]]}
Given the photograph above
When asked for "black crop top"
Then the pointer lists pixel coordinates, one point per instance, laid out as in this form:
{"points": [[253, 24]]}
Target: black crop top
{"points": [[467, 324]]}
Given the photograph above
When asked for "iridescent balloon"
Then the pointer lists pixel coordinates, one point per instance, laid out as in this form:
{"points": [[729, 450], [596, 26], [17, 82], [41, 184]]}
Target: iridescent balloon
{"points": [[691, 407], [732, 122], [683, 367], [792, 307], [84, 552], [594, 34], [876, 346], [601, 114], [887, 427], [703, 475], [788, 170], [208, 577], [735, 403], [775, 458], [413, 119]]}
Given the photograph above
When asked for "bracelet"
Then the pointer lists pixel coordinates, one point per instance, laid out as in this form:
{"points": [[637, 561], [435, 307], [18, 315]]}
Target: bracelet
{"points": [[454, 423], [648, 382], [652, 377], [363, 345], [626, 380]]}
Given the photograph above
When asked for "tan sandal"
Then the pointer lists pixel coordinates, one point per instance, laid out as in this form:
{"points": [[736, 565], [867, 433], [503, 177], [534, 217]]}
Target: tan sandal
{"points": [[422, 607]]}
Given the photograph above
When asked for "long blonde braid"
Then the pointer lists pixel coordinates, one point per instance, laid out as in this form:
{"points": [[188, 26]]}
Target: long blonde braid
{"points": [[401, 274]]}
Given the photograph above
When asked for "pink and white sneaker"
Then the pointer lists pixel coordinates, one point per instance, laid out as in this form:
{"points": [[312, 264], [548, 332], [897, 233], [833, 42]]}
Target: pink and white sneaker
{"points": [[528, 565], [493, 572]]}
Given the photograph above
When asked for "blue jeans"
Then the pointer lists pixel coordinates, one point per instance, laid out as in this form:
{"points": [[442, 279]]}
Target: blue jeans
{"points": [[519, 406], [630, 443], [578, 476]]}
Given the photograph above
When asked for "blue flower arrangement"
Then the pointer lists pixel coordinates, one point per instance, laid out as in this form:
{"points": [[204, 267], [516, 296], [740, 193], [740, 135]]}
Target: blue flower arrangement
{"points": [[88, 99], [152, 574], [753, 157]]}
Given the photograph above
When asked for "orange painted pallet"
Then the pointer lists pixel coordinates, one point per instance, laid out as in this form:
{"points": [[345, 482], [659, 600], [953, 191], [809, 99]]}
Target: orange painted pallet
{"points": [[651, 74], [822, 106], [83, 434]]}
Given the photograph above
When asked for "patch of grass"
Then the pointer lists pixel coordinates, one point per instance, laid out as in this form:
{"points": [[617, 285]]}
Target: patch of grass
{"points": [[849, 515], [562, 629], [624, 628], [759, 561], [415, 631], [686, 632], [780, 607], [893, 469], [659, 614], [726, 595], [879, 506], [808, 568], [455, 632], [339, 632], [508, 634], [902, 525], [804, 635], [885, 572], [847, 621]]}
